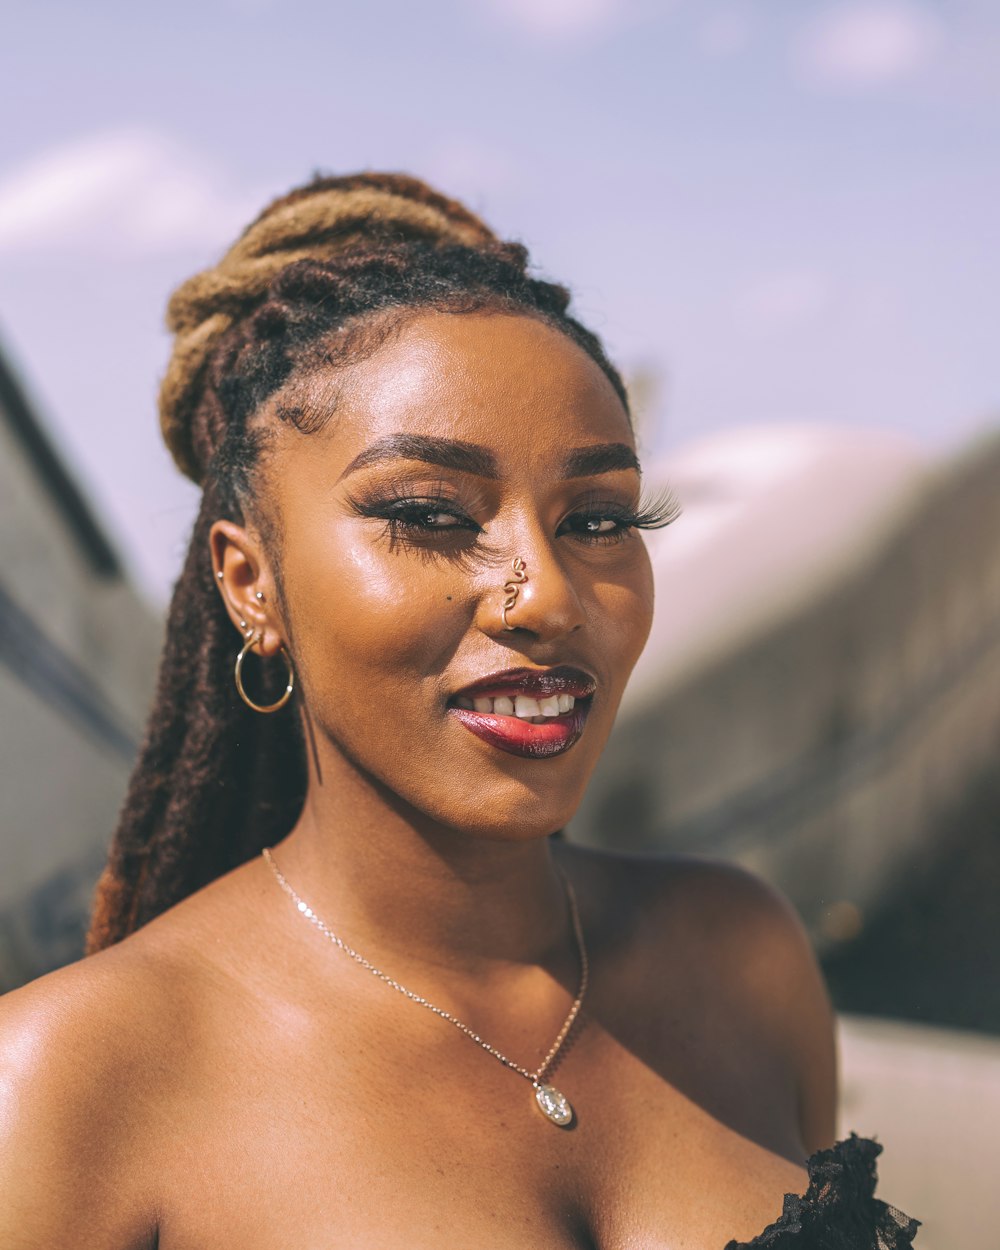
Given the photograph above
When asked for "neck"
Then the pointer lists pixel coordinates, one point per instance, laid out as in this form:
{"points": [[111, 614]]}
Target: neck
{"points": [[394, 883]]}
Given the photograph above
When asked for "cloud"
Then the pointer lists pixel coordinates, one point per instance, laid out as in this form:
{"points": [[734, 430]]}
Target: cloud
{"points": [[126, 190], [560, 19], [861, 45]]}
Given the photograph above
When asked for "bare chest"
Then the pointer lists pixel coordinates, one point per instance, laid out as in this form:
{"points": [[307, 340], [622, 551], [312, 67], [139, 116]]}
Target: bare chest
{"points": [[356, 1139]]}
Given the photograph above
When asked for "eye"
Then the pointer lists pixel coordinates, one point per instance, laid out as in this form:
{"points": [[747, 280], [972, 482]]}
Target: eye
{"points": [[599, 526], [425, 516], [416, 516], [421, 516], [610, 522]]}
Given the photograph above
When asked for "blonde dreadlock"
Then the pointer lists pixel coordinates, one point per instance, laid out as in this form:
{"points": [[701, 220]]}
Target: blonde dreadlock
{"points": [[317, 222]]}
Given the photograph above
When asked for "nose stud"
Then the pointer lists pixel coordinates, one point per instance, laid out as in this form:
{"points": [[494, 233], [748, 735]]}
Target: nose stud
{"points": [[511, 588]]}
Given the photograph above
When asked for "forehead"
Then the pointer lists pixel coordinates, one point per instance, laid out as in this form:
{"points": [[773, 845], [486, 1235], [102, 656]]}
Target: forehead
{"points": [[510, 383]]}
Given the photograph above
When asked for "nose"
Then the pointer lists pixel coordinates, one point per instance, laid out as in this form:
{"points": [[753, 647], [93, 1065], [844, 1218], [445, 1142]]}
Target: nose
{"points": [[539, 593]]}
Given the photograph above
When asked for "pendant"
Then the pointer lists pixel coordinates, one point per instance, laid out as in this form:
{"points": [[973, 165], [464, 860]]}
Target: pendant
{"points": [[554, 1105]]}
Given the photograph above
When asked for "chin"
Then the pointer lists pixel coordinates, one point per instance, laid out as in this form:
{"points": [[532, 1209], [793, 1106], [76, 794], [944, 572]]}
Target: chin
{"points": [[502, 813]]}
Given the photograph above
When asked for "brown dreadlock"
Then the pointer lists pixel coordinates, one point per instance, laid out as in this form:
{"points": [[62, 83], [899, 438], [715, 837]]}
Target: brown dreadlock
{"points": [[215, 783]]}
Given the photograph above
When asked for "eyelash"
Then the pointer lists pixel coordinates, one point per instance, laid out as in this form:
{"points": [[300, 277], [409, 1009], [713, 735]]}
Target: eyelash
{"points": [[401, 513], [405, 515], [653, 514]]}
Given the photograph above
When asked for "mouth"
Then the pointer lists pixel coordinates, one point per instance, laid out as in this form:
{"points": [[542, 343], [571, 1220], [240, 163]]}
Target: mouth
{"points": [[535, 713]]}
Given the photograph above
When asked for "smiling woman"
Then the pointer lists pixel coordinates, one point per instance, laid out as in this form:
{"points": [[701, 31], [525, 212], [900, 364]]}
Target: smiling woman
{"points": [[420, 532]]}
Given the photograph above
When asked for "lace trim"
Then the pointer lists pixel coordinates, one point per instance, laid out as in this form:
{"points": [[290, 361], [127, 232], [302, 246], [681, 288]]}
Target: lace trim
{"points": [[839, 1211]]}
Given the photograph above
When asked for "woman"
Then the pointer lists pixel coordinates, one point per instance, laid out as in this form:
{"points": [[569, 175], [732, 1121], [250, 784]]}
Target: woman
{"points": [[421, 1021]]}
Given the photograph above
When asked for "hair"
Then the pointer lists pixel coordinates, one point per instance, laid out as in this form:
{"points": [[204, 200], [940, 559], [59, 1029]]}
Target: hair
{"points": [[316, 281]]}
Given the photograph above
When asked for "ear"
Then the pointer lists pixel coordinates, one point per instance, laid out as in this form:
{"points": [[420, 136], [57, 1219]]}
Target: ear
{"points": [[245, 581]]}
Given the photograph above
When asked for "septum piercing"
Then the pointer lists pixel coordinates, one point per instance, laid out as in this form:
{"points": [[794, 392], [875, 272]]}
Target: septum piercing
{"points": [[511, 588]]}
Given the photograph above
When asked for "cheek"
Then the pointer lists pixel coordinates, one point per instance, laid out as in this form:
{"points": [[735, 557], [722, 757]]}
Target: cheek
{"points": [[625, 614], [367, 618]]}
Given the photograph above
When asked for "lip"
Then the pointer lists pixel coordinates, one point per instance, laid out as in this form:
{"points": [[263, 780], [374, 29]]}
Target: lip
{"points": [[521, 737], [539, 683]]}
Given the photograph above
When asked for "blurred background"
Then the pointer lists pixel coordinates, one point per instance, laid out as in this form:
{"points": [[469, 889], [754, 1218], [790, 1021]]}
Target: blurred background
{"points": [[782, 220]]}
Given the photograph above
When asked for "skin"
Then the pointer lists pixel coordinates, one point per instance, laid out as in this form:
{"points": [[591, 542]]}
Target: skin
{"points": [[225, 1077]]}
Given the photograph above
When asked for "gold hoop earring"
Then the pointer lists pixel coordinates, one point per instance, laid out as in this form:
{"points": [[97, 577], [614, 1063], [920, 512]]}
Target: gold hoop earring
{"points": [[251, 640], [511, 588]]}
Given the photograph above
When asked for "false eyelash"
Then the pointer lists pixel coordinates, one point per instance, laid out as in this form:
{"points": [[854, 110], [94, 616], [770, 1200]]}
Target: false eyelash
{"points": [[467, 549], [660, 511], [438, 495], [657, 513]]}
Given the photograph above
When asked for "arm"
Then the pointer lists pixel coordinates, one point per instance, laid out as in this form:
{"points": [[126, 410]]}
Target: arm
{"points": [[752, 946], [818, 1091], [785, 990], [65, 1129], [802, 1001]]}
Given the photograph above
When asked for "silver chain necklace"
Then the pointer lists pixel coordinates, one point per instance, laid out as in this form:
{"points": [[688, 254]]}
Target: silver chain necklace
{"points": [[552, 1103]]}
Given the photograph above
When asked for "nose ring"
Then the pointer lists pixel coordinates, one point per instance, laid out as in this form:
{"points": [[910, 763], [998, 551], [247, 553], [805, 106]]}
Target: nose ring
{"points": [[510, 589]]}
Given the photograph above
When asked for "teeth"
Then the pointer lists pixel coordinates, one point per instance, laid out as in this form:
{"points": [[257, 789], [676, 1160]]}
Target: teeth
{"points": [[522, 706]]}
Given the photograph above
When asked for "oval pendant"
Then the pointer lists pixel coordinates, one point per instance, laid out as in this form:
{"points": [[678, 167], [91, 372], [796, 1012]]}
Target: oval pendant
{"points": [[553, 1104]]}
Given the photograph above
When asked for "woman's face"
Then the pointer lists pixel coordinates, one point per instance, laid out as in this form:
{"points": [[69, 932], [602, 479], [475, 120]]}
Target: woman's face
{"points": [[465, 441]]}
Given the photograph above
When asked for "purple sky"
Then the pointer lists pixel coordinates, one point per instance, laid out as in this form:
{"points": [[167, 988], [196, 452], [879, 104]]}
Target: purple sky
{"points": [[786, 211]]}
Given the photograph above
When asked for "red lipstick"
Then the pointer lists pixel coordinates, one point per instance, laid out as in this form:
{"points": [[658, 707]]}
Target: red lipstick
{"points": [[519, 736]]}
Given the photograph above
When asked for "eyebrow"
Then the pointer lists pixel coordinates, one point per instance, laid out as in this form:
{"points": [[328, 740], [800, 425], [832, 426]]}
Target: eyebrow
{"points": [[450, 453], [602, 458], [453, 453]]}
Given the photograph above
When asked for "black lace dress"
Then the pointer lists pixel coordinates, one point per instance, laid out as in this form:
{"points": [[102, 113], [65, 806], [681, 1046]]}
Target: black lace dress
{"points": [[839, 1211]]}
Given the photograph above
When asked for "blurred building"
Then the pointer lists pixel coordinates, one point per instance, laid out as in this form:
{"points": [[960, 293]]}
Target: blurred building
{"points": [[78, 651], [820, 697]]}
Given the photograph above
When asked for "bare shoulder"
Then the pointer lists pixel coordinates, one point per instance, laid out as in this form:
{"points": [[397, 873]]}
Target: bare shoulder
{"points": [[83, 1052], [742, 936], [739, 913]]}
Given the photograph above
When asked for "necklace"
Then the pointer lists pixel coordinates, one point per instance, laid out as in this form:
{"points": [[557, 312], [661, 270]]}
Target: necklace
{"points": [[552, 1103]]}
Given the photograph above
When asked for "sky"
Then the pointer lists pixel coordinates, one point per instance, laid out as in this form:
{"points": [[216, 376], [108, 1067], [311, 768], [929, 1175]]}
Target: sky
{"points": [[772, 211]]}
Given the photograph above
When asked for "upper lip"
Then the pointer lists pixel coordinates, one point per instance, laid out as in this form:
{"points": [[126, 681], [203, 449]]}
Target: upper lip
{"points": [[539, 683]]}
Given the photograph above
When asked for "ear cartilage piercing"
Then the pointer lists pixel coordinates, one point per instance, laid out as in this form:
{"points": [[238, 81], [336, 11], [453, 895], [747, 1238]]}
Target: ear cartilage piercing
{"points": [[259, 596], [219, 575], [511, 588]]}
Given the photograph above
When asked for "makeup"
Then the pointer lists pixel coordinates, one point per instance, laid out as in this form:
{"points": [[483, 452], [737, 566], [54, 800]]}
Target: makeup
{"points": [[535, 713]]}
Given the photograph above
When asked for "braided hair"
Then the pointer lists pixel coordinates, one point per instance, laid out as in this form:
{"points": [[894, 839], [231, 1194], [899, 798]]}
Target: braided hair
{"points": [[315, 281]]}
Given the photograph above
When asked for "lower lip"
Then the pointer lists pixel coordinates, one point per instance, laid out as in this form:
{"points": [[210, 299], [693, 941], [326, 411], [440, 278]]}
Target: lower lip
{"points": [[521, 737]]}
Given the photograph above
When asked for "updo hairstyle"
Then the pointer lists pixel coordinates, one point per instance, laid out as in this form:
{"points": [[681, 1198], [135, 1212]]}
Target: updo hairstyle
{"points": [[317, 280]]}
